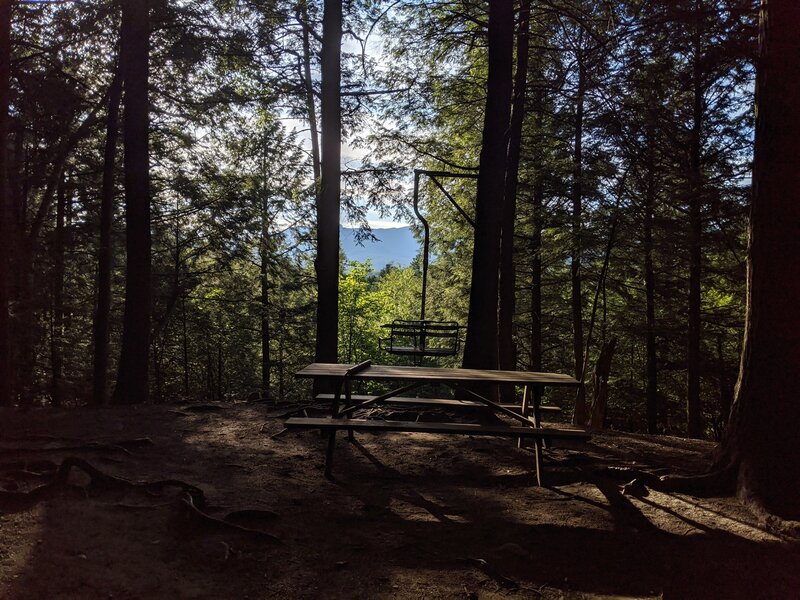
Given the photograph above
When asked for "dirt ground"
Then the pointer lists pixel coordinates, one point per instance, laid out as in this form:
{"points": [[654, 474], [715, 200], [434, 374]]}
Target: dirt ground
{"points": [[406, 516]]}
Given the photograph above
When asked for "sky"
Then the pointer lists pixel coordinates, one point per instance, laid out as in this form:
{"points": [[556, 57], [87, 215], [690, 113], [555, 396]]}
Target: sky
{"points": [[351, 157]]}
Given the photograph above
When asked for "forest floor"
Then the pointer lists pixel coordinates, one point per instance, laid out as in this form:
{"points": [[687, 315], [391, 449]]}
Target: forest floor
{"points": [[406, 516]]}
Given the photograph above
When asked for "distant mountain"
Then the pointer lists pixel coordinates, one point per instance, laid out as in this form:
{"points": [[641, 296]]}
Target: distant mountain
{"points": [[395, 245]]}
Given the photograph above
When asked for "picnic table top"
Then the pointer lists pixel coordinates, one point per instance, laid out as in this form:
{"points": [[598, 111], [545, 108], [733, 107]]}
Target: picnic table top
{"points": [[436, 374]]}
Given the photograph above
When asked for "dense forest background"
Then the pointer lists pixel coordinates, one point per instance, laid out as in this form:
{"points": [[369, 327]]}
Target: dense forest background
{"points": [[635, 152]]}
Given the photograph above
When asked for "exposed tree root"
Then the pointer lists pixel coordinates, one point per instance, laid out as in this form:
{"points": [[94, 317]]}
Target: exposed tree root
{"points": [[213, 524], [189, 501], [19, 501], [488, 570], [722, 481], [787, 529], [719, 482], [123, 447]]}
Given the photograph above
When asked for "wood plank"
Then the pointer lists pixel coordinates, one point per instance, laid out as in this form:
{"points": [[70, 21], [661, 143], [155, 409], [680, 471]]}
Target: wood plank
{"points": [[433, 374], [402, 400], [444, 428]]}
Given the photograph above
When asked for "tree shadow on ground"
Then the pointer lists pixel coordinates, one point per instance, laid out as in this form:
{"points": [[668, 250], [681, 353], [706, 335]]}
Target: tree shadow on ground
{"points": [[404, 517]]}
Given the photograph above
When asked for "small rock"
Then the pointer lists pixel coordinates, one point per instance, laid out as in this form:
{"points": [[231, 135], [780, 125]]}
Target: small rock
{"points": [[341, 564]]}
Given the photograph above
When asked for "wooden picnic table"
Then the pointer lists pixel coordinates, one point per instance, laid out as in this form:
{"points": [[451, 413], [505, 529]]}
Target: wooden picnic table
{"points": [[343, 375]]}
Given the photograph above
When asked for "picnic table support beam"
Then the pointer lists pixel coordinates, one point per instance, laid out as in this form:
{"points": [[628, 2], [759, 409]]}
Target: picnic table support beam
{"points": [[348, 400], [381, 398], [497, 407], [537, 423]]}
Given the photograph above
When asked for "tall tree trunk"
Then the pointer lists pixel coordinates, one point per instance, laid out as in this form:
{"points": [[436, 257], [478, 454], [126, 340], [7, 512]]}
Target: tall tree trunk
{"points": [[220, 370], [536, 252], [281, 363], [580, 414], [266, 362], [6, 375], [693, 406], [104, 251], [480, 350], [725, 390], [327, 263], [132, 380], [762, 436], [185, 347], [651, 401], [311, 106], [57, 324], [506, 348]]}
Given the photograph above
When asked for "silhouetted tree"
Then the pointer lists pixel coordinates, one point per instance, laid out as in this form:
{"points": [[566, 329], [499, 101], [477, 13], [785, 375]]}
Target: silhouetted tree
{"points": [[761, 442], [132, 380], [480, 350], [327, 263]]}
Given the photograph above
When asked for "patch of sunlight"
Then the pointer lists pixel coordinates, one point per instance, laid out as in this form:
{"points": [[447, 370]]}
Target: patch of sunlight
{"points": [[687, 514], [20, 536]]}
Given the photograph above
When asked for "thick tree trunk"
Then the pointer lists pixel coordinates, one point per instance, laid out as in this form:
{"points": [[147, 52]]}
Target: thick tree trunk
{"points": [[104, 251], [765, 418], [6, 375], [506, 347], [327, 263], [480, 350], [579, 416], [132, 380], [694, 411]]}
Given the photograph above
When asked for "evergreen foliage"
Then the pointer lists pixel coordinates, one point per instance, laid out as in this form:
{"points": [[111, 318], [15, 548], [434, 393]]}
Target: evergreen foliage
{"points": [[655, 96]]}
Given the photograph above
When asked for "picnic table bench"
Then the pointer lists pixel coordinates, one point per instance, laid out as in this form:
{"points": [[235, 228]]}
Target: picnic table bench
{"points": [[528, 414]]}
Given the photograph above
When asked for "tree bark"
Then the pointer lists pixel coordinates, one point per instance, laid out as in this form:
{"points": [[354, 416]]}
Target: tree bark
{"points": [[104, 251], [480, 349], [6, 375], [536, 252], [693, 406], [506, 347], [57, 324], [266, 360], [132, 380], [762, 436], [327, 263], [311, 106], [579, 416], [651, 368]]}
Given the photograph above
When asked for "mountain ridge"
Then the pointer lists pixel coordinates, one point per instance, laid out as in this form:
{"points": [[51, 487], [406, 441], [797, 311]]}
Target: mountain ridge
{"points": [[395, 245]]}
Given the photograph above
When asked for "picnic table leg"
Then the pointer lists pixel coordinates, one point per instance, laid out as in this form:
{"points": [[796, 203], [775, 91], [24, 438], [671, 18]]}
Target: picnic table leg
{"points": [[348, 400], [332, 432], [537, 441], [525, 408]]}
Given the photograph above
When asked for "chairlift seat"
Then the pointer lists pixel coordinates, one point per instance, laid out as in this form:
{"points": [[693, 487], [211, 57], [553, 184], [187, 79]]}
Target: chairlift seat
{"points": [[420, 338]]}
